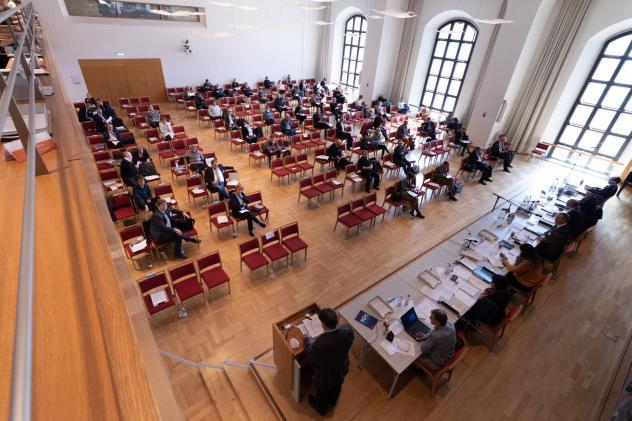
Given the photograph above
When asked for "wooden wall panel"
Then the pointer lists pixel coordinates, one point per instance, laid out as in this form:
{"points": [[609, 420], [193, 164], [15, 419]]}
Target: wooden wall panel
{"points": [[116, 78]]}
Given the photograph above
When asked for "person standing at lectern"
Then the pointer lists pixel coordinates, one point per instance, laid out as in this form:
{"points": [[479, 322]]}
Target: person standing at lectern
{"points": [[329, 353]]}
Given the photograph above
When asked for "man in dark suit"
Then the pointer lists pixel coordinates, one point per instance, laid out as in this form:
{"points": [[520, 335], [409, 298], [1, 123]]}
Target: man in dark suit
{"points": [[551, 245], [238, 204], [101, 121], [500, 150], [164, 229], [319, 123], [461, 138], [112, 139], [214, 179], [250, 134], [128, 169], [399, 157], [475, 160], [329, 353], [429, 128], [366, 168], [606, 192], [576, 219]]}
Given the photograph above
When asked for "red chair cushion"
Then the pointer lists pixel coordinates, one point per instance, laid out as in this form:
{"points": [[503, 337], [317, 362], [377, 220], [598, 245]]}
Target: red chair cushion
{"points": [[188, 288], [255, 260], [376, 209], [153, 310], [280, 172], [294, 244], [349, 220], [310, 192], [124, 213], [214, 277], [275, 252], [363, 214], [323, 188]]}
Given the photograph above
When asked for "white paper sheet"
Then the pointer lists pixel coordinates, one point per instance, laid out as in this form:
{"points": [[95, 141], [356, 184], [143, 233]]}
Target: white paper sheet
{"points": [[469, 263], [464, 298], [138, 246], [314, 327], [435, 294], [380, 306], [423, 309], [429, 279], [396, 326], [458, 305], [388, 347], [468, 288], [198, 191], [158, 297], [404, 347], [222, 219]]}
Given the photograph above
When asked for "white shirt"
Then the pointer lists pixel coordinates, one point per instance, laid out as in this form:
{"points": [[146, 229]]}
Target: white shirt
{"points": [[219, 177], [165, 129], [249, 130], [215, 111]]}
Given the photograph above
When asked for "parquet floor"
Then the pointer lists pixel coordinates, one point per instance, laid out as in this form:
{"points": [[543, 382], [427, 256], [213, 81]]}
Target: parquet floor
{"points": [[556, 365]]}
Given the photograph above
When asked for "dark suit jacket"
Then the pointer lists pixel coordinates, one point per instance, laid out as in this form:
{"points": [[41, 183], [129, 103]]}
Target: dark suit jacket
{"points": [[244, 132], [101, 124], [209, 174], [606, 192], [474, 158], [233, 202], [128, 172], [490, 309], [552, 246], [576, 222], [496, 149], [140, 157], [158, 224], [329, 353], [333, 151]]}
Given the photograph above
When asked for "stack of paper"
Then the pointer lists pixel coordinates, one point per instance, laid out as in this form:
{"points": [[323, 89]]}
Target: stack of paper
{"points": [[222, 219], [389, 347], [468, 263], [396, 327], [138, 246], [468, 288], [152, 177], [336, 182], [314, 327], [423, 309], [158, 297], [380, 306], [198, 190], [404, 347], [322, 157]]}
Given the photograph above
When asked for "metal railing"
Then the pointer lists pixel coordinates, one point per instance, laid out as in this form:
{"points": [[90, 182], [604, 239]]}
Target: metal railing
{"points": [[24, 19]]}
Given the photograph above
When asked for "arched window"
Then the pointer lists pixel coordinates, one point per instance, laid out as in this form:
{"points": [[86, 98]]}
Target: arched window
{"points": [[600, 121], [353, 53], [448, 65]]}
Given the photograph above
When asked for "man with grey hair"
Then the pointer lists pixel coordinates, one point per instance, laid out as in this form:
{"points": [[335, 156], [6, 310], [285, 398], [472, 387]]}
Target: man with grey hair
{"points": [[128, 169]]}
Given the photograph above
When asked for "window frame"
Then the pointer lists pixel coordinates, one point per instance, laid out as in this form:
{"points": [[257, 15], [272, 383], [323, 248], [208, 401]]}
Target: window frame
{"points": [[354, 75], [76, 8], [443, 59], [623, 58]]}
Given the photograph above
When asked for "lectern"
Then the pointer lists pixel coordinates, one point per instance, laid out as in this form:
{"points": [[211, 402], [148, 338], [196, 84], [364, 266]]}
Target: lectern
{"points": [[287, 359]]}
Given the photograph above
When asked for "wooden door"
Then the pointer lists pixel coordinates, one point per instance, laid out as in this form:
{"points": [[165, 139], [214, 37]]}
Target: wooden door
{"points": [[117, 78]]}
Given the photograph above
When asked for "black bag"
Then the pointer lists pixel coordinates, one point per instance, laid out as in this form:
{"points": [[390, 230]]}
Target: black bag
{"points": [[147, 168]]}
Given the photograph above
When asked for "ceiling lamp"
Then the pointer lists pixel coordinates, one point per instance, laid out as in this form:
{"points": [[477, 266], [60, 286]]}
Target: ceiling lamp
{"points": [[321, 22], [221, 3], [393, 13], [495, 21]]}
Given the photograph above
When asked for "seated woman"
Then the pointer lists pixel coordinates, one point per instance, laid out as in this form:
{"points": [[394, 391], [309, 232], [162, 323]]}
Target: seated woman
{"points": [[250, 134], [490, 306], [299, 113], [238, 204], [166, 131], [441, 175], [378, 142], [404, 190], [526, 272], [268, 117]]}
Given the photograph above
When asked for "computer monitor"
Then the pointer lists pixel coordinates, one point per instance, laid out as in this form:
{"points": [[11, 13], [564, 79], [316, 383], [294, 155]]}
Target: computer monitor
{"points": [[409, 318]]}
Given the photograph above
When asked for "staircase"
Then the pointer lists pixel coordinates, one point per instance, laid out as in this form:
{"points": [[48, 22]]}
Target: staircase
{"points": [[236, 394]]}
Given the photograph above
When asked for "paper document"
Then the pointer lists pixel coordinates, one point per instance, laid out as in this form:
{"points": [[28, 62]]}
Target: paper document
{"points": [[458, 305], [404, 347], [242, 211], [121, 128], [209, 161], [396, 327], [495, 260], [389, 347], [198, 190], [430, 280], [336, 182], [468, 263], [158, 297], [138, 245], [322, 157], [222, 219], [152, 177], [314, 327], [269, 235], [468, 288], [462, 272], [435, 294], [464, 298], [423, 309], [380, 306], [487, 249]]}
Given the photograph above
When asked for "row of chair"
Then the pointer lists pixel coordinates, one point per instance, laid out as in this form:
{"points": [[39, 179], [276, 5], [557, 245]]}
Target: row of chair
{"points": [[355, 213]]}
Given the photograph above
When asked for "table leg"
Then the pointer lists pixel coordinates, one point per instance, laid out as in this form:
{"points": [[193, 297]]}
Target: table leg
{"points": [[390, 393], [363, 349]]}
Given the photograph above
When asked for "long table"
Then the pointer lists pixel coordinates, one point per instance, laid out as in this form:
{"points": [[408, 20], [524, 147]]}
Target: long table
{"points": [[404, 288]]}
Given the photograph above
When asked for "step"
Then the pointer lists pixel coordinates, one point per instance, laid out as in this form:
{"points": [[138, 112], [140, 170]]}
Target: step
{"points": [[250, 393], [226, 402]]}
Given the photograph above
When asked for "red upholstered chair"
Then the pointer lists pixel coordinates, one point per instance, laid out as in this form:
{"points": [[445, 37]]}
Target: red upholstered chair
{"points": [[186, 282], [272, 247], [306, 189], [102, 160], [235, 139], [196, 189], [96, 139], [250, 254], [331, 178], [216, 214], [301, 161], [319, 183], [193, 141], [219, 127], [134, 101], [123, 102], [279, 170], [540, 150], [211, 271], [165, 191], [123, 208], [178, 169], [190, 109], [370, 203], [203, 116], [256, 206], [358, 210], [140, 121], [497, 331], [89, 127], [152, 137], [346, 218], [391, 202], [428, 184], [179, 146], [133, 236], [254, 152], [152, 284], [321, 158], [465, 169], [291, 240], [165, 153], [290, 164], [353, 177], [529, 296], [144, 100], [435, 375]]}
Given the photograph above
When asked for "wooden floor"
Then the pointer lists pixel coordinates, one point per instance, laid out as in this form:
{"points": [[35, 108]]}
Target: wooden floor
{"points": [[557, 364]]}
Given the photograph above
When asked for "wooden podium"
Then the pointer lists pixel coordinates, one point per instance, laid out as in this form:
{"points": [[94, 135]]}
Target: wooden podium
{"points": [[288, 360]]}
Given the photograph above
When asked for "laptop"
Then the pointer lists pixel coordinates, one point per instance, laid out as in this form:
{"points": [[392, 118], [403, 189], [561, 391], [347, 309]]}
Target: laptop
{"points": [[483, 274], [413, 326]]}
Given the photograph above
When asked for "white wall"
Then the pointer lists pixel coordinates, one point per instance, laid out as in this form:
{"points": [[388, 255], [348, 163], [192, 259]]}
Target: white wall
{"points": [[282, 41]]}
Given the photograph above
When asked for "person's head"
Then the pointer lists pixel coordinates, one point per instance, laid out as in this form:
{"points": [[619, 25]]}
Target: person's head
{"points": [[499, 282], [360, 97], [192, 148], [151, 108], [239, 188], [328, 318], [140, 180], [163, 118], [527, 252], [365, 152], [561, 218], [502, 138], [572, 204], [234, 79], [614, 180], [127, 155], [161, 204], [445, 164], [206, 81], [99, 111], [214, 164], [438, 317]]}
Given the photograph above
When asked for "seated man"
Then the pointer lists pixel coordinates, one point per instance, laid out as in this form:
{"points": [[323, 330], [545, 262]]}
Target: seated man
{"points": [[359, 104], [238, 204], [142, 195], [249, 134], [368, 171], [551, 244], [319, 122], [429, 129], [380, 110], [230, 119], [153, 117], [286, 126], [164, 229], [196, 159], [404, 134], [101, 121], [461, 138], [576, 219], [267, 83], [262, 96], [279, 104], [378, 142], [214, 179], [206, 86], [112, 139], [441, 175], [437, 347], [500, 150], [234, 84], [342, 134], [399, 157], [215, 112], [246, 91], [140, 154], [107, 109], [405, 188], [334, 152], [451, 122], [490, 307], [606, 192], [316, 101], [272, 148], [475, 160], [128, 169], [268, 117], [334, 109], [299, 113]]}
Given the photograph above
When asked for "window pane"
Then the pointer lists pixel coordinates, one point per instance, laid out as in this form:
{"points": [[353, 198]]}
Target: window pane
{"points": [[444, 32], [446, 70], [580, 115], [357, 24], [432, 82], [464, 53], [605, 69], [628, 106], [438, 101], [362, 40], [623, 125], [612, 145], [459, 70], [361, 54], [602, 119], [345, 65], [452, 48], [427, 101], [363, 25], [454, 87], [457, 31], [625, 74], [442, 86], [435, 66], [615, 96], [592, 93], [570, 135], [449, 104], [354, 53], [619, 46], [440, 48], [470, 34], [359, 67], [589, 140]]}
